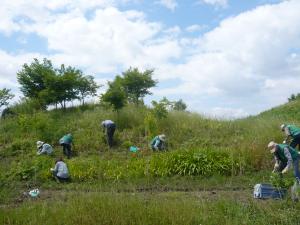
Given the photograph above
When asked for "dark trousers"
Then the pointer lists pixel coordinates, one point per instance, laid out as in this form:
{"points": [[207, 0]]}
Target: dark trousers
{"points": [[282, 165], [295, 141], [67, 150], [110, 130], [59, 179]]}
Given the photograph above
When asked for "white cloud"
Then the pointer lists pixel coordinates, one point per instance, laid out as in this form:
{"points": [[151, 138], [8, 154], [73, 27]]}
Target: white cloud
{"points": [[195, 28], [243, 65], [170, 4], [239, 56], [217, 3]]}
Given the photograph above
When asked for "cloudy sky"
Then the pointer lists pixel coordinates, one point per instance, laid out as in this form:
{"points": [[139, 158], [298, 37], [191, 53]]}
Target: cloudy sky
{"points": [[228, 58]]}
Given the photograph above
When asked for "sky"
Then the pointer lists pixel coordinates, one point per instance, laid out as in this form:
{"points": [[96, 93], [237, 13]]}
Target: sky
{"points": [[224, 58]]}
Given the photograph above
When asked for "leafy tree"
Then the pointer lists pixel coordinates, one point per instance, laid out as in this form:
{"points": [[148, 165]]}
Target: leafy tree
{"points": [[33, 77], [294, 97], [115, 94], [137, 84], [5, 96], [87, 87], [159, 109], [68, 79], [41, 82], [179, 105]]}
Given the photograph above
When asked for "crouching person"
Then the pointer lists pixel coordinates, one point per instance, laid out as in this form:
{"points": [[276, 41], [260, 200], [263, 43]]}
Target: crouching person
{"points": [[285, 156], [60, 172], [159, 143], [43, 148]]}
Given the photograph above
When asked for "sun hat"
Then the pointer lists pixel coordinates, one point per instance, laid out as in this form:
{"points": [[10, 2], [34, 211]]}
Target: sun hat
{"points": [[272, 146], [39, 144], [162, 137]]}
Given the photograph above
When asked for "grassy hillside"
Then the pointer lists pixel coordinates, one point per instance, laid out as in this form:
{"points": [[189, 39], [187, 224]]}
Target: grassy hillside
{"points": [[202, 154]]}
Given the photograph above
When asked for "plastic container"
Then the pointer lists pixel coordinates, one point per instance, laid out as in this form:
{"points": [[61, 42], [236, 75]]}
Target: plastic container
{"points": [[266, 191]]}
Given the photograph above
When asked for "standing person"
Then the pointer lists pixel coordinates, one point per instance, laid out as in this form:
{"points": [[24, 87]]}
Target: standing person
{"points": [[109, 128], [60, 172], [66, 142], [292, 132], [43, 148], [158, 143], [285, 156]]}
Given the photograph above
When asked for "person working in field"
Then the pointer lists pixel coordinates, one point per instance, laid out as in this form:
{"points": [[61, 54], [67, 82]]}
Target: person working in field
{"points": [[158, 143], [66, 142], [292, 132], [43, 148], [60, 172], [109, 128], [285, 156]]}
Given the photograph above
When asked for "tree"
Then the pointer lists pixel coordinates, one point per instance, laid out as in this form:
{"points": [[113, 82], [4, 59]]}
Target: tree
{"points": [[87, 87], [5, 96], [33, 79], [294, 97], [160, 110], [136, 84], [115, 94], [179, 105], [41, 82], [68, 79]]}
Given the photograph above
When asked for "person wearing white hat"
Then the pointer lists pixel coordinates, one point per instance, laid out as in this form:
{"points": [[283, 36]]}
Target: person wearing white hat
{"points": [[158, 143], [292, 132], [285, 156], [43, 148]]}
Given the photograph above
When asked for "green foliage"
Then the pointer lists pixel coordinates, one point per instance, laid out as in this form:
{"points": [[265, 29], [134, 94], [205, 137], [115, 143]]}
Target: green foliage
{"points": [[5, 96], [137, 84], [151, 125], [278, 181], [87, 87], [50, 86], [159, 109], [199, 162], [179, 105], [33, 77], [294, 97], [84, 169], [115, 95]]}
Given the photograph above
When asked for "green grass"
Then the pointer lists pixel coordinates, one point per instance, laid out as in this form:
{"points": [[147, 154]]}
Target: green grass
{"points": [[151, 208], [206, 176]]}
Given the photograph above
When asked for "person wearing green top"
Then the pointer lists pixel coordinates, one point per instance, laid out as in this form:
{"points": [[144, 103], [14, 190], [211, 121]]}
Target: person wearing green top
{"points": [[158, 143], [285, 156], [292, 132], [66, 142]]}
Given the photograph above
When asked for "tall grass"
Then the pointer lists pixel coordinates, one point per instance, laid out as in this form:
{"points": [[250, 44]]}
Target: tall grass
{"points": [[155, 208]]}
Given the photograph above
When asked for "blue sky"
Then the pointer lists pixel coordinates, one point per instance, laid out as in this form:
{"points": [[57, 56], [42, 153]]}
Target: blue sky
{"points": [[224, 58]]}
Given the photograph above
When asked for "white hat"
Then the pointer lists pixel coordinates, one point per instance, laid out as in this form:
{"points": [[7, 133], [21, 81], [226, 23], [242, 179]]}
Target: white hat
{"points": [[39, 144], [282, 126], [162, 137], [272, 146]]}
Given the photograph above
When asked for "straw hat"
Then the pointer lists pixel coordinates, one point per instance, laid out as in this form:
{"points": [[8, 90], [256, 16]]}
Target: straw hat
{"points": [[272, 146], [39, 144], [282, 127], [162, 137]]}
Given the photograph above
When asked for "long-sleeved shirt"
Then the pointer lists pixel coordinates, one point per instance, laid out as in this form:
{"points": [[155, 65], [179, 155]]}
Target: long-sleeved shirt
{"points": [[288, 155], [67, 139], [61, 169], [45, 149], [106, 123]]}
